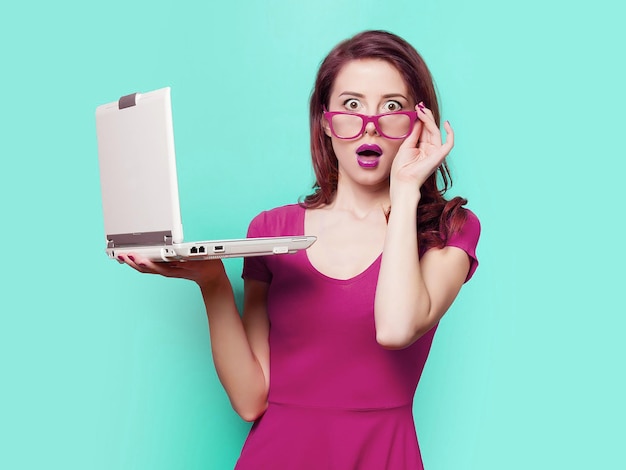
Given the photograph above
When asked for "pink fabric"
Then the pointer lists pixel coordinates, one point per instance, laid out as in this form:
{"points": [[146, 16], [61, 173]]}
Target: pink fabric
{"points": [[337, 399]]}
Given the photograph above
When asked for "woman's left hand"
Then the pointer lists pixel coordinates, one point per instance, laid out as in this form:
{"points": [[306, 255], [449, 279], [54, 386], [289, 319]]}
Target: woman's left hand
{"points": [[421, 153]]}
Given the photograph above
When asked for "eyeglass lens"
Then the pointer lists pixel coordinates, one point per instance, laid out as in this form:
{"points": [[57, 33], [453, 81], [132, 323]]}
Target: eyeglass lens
{"points": [[348, 126]]}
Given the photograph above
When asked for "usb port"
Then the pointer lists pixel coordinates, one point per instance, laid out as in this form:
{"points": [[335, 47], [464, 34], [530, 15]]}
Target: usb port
{"points": [[218, 249]]}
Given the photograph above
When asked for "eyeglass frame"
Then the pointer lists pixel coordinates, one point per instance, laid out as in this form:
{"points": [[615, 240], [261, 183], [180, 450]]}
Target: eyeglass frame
{"points": [[365, 119]]}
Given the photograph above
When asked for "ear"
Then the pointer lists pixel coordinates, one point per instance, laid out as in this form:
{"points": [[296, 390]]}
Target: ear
{"points": [[326, 126]]}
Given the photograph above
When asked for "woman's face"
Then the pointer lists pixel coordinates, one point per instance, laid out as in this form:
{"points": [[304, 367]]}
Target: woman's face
{"points": [[369, 87]]}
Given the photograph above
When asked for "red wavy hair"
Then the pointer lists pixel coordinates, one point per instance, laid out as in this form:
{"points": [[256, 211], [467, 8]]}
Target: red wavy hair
{"points": [[437, 217]]}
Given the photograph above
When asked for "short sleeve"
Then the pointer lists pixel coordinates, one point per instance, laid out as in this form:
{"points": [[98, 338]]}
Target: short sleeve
{"points": [[255, 267], [467, 240]]}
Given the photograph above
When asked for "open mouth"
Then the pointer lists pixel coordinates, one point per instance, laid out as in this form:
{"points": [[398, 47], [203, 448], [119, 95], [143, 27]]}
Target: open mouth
{"points": [[368, 155]]}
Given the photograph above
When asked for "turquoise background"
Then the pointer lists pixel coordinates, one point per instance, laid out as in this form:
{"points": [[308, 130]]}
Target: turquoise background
{"points": [[103, 368]]}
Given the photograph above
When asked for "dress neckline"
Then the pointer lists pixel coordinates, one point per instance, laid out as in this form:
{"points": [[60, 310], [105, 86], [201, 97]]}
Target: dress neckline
{"points": [[373, 265]]}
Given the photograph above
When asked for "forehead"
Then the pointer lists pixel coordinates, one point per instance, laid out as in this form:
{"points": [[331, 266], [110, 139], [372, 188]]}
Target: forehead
{"points": [[369, 77]]}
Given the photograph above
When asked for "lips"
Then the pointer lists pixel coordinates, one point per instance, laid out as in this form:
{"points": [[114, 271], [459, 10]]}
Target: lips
{"points": [[368, 155]]}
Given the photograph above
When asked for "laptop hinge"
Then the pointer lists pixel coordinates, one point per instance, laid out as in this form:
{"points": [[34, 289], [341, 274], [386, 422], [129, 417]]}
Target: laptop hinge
{"points": [[127, 101], [163, 237]]}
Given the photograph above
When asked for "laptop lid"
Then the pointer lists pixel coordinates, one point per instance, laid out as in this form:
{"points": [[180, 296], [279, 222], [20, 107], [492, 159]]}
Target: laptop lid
{"points": [[140, 187], [138, 170]]}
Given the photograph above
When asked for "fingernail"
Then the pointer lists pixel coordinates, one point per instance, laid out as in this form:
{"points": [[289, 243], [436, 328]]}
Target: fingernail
{"points": [[141, 265], [120, 257], [130, 257]]}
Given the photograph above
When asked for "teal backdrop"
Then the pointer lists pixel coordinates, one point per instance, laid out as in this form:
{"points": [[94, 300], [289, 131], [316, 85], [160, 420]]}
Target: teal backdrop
{"points": [[103, 368]]}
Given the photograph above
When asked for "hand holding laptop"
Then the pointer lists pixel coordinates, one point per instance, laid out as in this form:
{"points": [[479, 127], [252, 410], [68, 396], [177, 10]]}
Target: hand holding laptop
{"points": [[202, 272]]}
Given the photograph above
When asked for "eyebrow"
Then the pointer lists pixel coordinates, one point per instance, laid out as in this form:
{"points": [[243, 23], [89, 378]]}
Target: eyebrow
{"points": [[361, 95]]}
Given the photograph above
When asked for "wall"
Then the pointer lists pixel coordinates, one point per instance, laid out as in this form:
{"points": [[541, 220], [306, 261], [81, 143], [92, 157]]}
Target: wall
{"points": [[103, 368]]}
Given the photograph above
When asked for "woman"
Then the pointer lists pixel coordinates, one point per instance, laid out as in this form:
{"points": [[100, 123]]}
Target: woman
{"points": [[328, 353]]}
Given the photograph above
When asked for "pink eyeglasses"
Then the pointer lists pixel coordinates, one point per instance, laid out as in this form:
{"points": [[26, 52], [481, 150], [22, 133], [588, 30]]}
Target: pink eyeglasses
{"points": [[347, 126]]}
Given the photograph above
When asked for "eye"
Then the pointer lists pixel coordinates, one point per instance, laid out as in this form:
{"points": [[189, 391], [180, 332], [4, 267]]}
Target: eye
{"points": [[392, 106], [352, 104]]}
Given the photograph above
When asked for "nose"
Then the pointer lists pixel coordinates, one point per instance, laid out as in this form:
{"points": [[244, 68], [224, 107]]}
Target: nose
{"points": [[370, 128]]}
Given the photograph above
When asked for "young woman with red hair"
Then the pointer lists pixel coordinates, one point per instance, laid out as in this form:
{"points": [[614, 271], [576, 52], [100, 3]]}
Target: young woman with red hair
{"points": [[329, 350]]}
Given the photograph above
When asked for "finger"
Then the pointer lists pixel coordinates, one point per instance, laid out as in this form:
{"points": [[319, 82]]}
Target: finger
{"points": [[449, 137], [168, 269], [137, 263], [442, 152], [143, 265], [438, 154], [430, 126], [412, 139]]}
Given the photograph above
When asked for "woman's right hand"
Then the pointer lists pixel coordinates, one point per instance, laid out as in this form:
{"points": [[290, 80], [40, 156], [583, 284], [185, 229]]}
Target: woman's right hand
{"points": [[202, 272]]}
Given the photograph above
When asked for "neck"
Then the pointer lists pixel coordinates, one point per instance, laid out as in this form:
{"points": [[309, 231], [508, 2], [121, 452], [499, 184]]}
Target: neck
{"points": [[361, 200]]}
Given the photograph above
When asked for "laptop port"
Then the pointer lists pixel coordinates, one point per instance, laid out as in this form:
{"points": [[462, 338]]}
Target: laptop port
{"points": [[201, 249], [218, 249], [194, 250]]}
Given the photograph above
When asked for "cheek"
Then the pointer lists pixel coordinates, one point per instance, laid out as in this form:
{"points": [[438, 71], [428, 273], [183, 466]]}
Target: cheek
{"points": [[394, 147], [340, 147]]}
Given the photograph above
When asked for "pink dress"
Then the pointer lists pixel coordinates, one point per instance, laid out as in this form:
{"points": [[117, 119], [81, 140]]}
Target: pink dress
{"points": [[337, 399]]}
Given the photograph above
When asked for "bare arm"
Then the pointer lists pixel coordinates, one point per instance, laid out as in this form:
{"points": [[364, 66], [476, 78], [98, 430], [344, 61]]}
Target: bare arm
{"points": [[239, 345], [412, 294]]}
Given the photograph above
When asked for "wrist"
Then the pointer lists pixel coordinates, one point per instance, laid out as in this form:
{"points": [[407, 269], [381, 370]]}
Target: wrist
{"points": [[408, 197], [213, 282]]}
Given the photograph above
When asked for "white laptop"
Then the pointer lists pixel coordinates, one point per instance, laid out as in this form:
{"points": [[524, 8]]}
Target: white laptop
{"points": [[140, 187]]}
